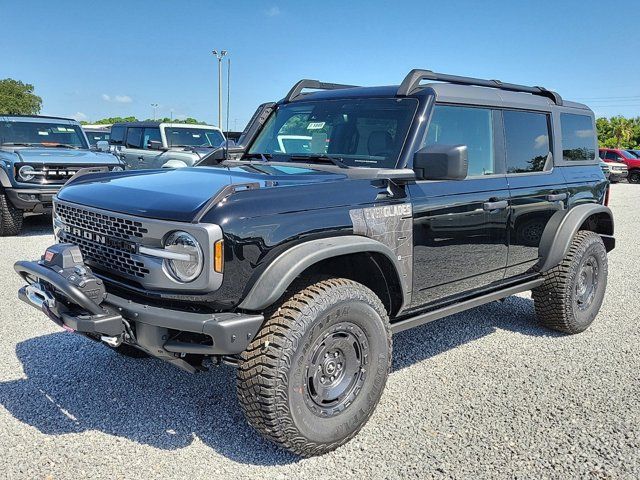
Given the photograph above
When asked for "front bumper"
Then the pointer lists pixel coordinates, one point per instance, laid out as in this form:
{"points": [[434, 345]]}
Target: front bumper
{"points": [[617, 176], [37, 200], [158, 331]]}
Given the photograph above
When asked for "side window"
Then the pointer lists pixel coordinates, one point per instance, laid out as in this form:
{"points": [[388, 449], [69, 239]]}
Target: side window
{"points": [[151, 134], [578, 137], [468, 126], [134, 137], [117, 135], [611, 155], [527, 141]]}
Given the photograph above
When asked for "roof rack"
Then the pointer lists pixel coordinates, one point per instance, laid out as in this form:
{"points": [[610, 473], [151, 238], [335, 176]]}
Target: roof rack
{"points": [[415, 76], [313, 84]]}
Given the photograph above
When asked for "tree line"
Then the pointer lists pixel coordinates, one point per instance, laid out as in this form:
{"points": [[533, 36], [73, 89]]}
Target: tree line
{"points": [[18, 98]]}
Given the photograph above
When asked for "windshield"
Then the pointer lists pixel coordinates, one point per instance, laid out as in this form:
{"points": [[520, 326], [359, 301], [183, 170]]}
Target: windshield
{"points": [[360, 132], [42, 134], [95, 137], [192, 137], [632, 154]]}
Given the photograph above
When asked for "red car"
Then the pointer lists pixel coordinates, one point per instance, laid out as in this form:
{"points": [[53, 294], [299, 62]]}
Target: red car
{"points": [[620, 155]]}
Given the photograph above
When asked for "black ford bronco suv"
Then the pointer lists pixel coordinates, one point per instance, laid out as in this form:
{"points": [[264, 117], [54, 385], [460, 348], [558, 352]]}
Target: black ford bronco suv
{"points": [[347, 214]]}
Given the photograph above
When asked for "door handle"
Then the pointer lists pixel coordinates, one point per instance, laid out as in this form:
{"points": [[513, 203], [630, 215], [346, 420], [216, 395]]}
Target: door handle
{"points": [[498, 205], [554, 197]]}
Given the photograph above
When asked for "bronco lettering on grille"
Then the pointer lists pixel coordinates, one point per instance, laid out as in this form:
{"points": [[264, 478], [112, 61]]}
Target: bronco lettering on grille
{"points": [[116, 243]]}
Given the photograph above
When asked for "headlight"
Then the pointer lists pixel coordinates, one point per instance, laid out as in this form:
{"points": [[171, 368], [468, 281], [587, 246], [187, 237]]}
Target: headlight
{"points": [[26, 173], [117, 168], [185, 244]]}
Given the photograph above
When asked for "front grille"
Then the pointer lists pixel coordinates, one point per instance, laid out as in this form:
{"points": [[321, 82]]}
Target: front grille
{"points": [[53, 174], [86, 228]]}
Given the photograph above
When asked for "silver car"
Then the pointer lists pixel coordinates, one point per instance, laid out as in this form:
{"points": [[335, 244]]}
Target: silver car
{"points": [[163, 145]]}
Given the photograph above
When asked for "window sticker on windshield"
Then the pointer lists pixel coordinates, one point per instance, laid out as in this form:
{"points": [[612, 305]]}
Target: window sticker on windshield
{"points": [[196, 135], [315, 125], [43, 132]]}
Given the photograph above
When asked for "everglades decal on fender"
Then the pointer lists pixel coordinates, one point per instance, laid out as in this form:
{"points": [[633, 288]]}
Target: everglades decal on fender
{"points": [[391, 225]]}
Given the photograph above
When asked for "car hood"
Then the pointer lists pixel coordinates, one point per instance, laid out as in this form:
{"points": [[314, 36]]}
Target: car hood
{"points": [[66, 156], [179, 194]]}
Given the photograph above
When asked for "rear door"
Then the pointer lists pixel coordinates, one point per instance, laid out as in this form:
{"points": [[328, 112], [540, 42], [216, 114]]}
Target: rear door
{"points": [[537, 189], [460, 226]]}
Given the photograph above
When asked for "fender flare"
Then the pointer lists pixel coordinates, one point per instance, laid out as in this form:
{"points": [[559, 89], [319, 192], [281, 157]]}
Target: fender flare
{"points": [[284, 269], [562, 227], [173, 163], [4, 178]]}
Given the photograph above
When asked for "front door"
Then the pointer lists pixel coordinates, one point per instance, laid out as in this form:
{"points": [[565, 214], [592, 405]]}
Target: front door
{"points": [[460, 226]]}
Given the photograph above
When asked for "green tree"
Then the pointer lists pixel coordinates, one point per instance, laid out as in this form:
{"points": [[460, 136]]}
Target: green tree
{"points": [[17, 98]]}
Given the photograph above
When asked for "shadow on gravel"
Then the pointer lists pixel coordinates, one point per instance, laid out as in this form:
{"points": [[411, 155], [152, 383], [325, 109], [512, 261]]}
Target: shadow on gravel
{"points": [[34, 225], [74, 385]]}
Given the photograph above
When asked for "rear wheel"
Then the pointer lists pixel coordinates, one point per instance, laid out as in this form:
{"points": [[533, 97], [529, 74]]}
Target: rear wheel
{"points": [[315, 372], [572, 293], [10, 217]]}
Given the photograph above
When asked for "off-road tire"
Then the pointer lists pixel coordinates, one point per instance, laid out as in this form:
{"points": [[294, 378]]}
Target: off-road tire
{"points": [[555, 300], [10, 217], [274, 387]]}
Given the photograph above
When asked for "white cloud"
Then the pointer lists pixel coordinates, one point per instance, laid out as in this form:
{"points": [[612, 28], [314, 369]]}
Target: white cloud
{"points": [[79, 116], [117, 98], [541, 141], [584, 133], [273, 11]]}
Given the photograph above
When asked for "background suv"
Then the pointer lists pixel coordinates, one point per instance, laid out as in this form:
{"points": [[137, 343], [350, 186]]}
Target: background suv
{"points": [[37, 156], [621, 155], [157, 145]]}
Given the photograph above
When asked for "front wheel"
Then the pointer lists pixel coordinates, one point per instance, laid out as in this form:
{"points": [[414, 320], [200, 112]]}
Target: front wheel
{"points": [[572, 293], [10, 217], [315, 372], [634, 177]]}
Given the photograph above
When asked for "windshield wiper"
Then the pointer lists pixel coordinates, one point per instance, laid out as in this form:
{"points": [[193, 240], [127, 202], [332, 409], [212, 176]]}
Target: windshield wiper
{"points": [[265, 157], [337, 161], [19, 144], [65, 145]]}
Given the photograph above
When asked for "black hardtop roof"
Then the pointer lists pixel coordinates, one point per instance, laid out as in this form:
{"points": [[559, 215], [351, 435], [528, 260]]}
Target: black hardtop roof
{"points": [[137, 124], [447, 88]]}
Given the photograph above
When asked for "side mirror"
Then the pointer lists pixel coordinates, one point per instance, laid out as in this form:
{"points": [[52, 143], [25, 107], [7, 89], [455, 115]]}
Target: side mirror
{"points": [[441, 162], [155, 145], [102, 145]]}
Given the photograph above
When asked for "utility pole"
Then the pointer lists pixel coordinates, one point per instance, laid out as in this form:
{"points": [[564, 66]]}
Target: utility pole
{"points": [[219, 55], [155, 110]]}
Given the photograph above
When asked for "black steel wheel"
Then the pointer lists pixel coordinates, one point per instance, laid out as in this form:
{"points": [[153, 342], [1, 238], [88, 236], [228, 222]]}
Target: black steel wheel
{"points": [[572, 293], [315, 372]]}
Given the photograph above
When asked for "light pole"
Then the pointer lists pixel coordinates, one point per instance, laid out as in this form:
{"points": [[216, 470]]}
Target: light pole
{"points": [[219, 55], [155, 111]]}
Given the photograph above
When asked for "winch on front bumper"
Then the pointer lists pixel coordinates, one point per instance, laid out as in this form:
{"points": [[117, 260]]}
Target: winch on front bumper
{"points": [[70, 294]]}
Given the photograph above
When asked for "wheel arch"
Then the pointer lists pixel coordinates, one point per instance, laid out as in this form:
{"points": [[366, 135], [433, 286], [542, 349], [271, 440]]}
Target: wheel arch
{"points": [[355, 257], [563, 226]]}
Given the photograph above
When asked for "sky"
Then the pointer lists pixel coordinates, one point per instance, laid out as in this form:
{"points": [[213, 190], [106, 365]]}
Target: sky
{"points": [[96, 59]]}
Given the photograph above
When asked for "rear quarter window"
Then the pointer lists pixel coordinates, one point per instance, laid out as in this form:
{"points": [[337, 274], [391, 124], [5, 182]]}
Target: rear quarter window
{"points": [[578, 137]]}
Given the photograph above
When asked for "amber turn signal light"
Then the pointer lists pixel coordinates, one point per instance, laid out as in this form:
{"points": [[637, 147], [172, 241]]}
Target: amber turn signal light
{"points": [[218, 256]]}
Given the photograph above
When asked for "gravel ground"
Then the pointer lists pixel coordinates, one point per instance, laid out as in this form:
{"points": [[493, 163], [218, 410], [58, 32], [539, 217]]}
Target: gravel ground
{"points": [[483, 394]]}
